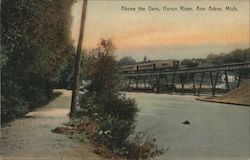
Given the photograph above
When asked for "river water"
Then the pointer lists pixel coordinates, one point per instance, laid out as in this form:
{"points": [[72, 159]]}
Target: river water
{"points": [[217, 131]]}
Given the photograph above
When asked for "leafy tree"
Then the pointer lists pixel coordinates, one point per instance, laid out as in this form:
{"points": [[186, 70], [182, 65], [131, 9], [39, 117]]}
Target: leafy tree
{"points": [[111, 110], [65, 78], [35, 44], [126, 61], [104, 72], [238, 55]]}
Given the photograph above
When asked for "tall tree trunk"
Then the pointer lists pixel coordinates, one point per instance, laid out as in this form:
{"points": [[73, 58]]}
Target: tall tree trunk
{"points": [[78, 61]]}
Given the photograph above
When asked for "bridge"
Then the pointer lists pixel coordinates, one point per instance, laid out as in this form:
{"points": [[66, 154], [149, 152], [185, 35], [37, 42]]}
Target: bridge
{"points": [[153, 79]]}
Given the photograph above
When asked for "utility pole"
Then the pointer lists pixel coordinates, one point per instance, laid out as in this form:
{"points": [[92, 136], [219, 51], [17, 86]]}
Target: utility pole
{"points": [[78, 61]]}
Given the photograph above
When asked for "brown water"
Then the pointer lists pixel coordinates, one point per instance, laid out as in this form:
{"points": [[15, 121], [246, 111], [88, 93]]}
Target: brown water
{"points": [[31, 138]]}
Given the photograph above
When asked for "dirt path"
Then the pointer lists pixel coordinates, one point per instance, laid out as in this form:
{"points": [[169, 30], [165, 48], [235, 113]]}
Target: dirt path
{"points": [[31, 138]]}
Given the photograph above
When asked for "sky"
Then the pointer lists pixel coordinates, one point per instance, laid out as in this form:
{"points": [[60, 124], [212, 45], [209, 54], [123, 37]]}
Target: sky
{"points": [[164, 34]]}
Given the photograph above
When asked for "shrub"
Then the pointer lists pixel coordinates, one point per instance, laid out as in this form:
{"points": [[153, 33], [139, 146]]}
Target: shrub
{"points": [[112, 113], [12, 108], [116, 120], [31, 52], [143, 146]]}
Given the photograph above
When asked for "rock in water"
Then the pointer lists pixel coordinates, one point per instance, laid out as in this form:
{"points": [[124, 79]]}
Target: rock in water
{"points": [[186, 122]]}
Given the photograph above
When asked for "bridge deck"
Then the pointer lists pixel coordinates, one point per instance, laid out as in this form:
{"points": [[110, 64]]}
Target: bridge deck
{"points": [[226, 67]]}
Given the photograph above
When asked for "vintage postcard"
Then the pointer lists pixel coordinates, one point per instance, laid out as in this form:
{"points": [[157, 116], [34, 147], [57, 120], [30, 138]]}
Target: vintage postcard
{"points": [[125, 79]]}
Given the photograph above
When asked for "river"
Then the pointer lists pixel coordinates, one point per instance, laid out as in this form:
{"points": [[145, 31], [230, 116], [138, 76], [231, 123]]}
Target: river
{"points": [[217, 131]]}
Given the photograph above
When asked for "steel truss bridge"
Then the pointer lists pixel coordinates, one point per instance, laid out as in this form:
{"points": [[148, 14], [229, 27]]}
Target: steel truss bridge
{"points": [[151, 78]]}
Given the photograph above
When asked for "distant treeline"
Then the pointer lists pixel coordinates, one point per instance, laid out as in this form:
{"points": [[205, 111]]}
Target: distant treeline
{"points": [[36, 45], [238, 55]]}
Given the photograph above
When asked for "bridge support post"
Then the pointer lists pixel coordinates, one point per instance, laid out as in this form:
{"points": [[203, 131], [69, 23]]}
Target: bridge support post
{"points": [[157, 81], [149, 81], [214, 82], [166, 84], [136, 82], [226, 79], [166, 79], [144, 81], [202, 77], [182, 80], [211, 80], [239, 80], [173, 79], [129, 81], [194, 88]]}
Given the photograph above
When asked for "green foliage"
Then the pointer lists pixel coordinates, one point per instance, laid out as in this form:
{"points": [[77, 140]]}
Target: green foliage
{"points": [[190, 63], [238, 55], [112, 111], [115, 117], [145, 59], [35, 43], [65, 77], [12, 107], [143, 146], [36, 35], [126, 61]]}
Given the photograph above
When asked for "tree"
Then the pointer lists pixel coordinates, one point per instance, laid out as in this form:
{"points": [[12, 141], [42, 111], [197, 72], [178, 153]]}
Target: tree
{"points": [[238, 55], [35, 41], [126, 61], [65, 78], [104, 72], [111, 110]]}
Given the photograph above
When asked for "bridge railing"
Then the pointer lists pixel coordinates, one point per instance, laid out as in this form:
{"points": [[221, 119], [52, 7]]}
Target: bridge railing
{"points": [[225, 67]]}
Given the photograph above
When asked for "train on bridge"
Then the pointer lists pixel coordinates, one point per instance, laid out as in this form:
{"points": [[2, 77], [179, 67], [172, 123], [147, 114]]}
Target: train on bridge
{"points": [[151, 65], [165, 74]]}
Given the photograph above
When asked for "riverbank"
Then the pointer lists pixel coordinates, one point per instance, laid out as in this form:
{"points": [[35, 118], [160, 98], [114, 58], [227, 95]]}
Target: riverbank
{"points": [[31, 137], [238, 96]]}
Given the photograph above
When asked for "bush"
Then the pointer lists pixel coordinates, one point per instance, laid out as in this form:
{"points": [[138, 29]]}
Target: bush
{"points": [[111, 112], [12, 108], [115, 118], [31, 52], [143, 146]]}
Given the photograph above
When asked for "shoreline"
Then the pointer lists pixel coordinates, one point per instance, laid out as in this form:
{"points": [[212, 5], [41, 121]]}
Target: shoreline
{"points": [[213, 100], [238, 96]]}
